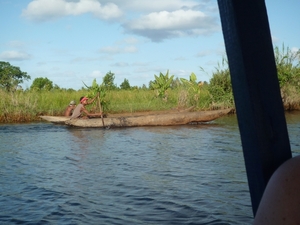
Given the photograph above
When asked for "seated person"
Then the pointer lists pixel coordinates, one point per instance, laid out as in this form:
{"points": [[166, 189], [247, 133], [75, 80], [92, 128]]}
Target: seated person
{"points": [[80, 108], [70, 108]]}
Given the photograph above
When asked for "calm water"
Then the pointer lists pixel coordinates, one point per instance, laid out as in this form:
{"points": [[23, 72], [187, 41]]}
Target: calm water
{"points": [[53, 174]]}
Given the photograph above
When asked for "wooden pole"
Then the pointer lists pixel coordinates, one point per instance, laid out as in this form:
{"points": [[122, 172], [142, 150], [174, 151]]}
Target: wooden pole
{"points": [[256, 91], [100, 107]]}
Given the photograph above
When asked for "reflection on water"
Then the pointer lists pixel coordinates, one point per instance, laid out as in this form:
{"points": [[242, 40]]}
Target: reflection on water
{"points": [[53, 174]]}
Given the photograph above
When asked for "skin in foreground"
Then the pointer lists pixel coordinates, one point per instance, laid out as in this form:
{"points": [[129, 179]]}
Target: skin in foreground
{"points": [[280, 203]]}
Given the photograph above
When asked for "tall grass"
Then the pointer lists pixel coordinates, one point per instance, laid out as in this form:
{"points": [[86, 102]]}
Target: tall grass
{"points": [[288, 70], [146, 100], [25, 106], [22, 106]]}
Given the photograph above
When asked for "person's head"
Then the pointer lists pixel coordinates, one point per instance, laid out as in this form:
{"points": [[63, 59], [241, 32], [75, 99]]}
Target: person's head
{"points": [[72, 103], [83, 100]]}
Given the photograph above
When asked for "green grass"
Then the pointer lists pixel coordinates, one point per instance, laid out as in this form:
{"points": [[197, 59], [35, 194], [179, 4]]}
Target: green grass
{"points": [[26, 106]]}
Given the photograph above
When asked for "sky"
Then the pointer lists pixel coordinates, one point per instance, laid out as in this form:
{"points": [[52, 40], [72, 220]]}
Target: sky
{"points": [[72, 42]]}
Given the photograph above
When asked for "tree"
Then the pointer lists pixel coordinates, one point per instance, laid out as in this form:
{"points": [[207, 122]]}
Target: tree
{"points": [[41, 83], [108, 81], [144, 87], [125, 85], [11, 76]]}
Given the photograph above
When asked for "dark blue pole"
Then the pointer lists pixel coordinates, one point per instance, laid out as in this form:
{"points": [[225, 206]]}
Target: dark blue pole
{"points": [[256, 91]]}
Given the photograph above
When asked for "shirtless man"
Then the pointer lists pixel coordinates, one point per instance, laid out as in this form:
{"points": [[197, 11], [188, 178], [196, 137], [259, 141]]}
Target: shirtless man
{"points": [[70, 108], [80, 108]]}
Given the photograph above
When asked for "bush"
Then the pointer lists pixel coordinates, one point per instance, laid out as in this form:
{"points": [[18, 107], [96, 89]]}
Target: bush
{"points": [[288, 66], [220, 86]]}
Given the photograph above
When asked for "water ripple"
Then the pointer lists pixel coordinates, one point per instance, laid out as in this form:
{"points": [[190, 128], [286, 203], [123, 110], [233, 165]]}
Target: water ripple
{"points": [[51, 174]]}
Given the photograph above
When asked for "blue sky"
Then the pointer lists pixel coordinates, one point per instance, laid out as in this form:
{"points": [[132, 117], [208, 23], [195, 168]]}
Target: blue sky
{"points": [[75, 41]]}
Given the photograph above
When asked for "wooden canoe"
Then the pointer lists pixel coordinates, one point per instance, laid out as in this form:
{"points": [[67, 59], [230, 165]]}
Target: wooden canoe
{"points": [[150, 120], [55, 119], [63, 119]]}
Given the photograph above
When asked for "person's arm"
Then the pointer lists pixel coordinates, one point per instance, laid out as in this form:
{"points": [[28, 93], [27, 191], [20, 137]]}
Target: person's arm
{"points": [[93, 99], [68, 111], [91, 114]]}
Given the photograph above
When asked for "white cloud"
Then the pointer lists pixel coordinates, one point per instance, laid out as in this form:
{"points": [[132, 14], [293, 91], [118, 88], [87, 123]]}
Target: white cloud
{"points": [[295, 50], [130, 49], [96, 74], [15, 44], [167, 20], [275, 39], [43, 10], [155, 19], [162, 25], [156, 5], [14, 55]]}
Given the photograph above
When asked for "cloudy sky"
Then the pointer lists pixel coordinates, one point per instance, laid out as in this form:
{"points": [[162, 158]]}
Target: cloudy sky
{"points": [[75, 41]]}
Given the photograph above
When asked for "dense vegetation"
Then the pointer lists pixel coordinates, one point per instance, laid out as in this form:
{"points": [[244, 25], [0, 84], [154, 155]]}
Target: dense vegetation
{"points": [[164, 92]]}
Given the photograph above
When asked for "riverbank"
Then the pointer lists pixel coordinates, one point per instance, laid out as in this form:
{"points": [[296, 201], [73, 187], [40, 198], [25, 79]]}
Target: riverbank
{"points": [[36, 118], [28, 106]]}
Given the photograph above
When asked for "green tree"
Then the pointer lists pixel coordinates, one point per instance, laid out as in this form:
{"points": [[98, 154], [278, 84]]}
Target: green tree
{"points": [[144, 87], [11, 76], [125, 85], [41, 83], [108, 81]]}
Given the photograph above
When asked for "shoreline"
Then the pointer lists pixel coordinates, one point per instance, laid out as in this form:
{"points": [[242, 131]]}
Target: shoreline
{"points": [[23, 119]]}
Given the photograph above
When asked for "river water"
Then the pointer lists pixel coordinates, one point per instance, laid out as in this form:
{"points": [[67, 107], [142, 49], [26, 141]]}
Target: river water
{"points": [[54, 174]]}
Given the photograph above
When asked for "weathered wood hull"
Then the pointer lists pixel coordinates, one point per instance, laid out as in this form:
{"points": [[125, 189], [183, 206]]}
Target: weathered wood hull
{"points": [[55, 119], [63, 119], [150, 120]]}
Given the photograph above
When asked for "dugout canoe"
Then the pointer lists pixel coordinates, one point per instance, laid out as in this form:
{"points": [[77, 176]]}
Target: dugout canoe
{"points": [[62, 119], [55, 119], [169, 119]]}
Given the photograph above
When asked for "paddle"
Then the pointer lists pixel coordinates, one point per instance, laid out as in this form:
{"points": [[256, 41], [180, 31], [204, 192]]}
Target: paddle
{"points": [[100, 108]]}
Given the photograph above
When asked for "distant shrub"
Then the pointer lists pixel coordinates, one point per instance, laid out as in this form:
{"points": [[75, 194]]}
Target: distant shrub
{"points": [[220, 86]]}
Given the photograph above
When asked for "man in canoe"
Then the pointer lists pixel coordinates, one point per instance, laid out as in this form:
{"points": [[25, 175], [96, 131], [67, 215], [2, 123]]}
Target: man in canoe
{"points": [[69, 110], [80, 109]]}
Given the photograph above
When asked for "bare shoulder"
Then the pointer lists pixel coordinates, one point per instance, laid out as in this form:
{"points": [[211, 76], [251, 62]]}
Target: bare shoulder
{"points": [[281, 200]]}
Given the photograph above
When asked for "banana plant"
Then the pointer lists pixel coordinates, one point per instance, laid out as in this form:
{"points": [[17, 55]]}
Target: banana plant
{"points": [[162, 83], [192, 83], [94, 90]]}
